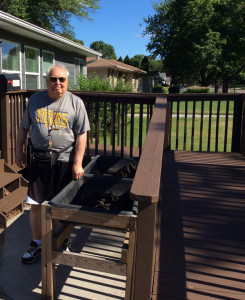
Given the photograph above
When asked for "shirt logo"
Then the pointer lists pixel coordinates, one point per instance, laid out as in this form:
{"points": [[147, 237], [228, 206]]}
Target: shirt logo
{"points": [[48, 117]]}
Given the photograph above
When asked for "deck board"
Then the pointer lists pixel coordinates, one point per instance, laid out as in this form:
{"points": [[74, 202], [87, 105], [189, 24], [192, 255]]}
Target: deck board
{"points": [[200, 254]]}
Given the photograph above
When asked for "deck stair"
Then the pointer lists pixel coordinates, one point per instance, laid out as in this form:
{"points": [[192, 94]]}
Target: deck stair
{"points": [[13, 189]]}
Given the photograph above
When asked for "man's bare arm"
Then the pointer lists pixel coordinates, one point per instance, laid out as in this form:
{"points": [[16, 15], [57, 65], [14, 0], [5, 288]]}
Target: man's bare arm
{"points": [[80, 146], [21, 139]]}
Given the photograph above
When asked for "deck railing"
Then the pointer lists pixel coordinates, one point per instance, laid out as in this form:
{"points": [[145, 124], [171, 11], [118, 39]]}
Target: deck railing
{"points": [[118, 121], [207, 122], [188, 122]]}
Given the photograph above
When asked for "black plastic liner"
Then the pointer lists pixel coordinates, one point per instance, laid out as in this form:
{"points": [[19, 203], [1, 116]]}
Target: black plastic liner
{"points": [[124, 167], [108, 194]]}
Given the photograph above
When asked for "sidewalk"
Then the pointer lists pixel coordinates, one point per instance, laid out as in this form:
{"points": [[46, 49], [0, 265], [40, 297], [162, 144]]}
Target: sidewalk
{"points": [[23, 282]]}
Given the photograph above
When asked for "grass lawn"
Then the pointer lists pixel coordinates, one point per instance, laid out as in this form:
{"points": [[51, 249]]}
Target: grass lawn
{"points": [[197, 137], [204, 143], [206, 107]]}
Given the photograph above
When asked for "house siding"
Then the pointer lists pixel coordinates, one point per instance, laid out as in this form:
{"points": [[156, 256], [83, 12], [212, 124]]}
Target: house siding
{"points": [[61, 57]]}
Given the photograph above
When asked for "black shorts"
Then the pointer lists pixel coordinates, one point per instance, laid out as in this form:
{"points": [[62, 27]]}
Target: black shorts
{"points": [[44, 183]]}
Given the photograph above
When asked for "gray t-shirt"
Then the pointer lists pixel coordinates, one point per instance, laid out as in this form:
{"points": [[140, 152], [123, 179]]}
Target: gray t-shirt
{"points": [[67, 117]]}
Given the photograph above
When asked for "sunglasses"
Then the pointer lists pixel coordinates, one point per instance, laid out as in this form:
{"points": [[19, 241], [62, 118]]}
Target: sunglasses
{"points": [[54, 79]]}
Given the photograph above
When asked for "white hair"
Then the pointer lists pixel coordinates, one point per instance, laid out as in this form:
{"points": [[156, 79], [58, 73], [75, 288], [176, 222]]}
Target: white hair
{"points": [[57, 66]]}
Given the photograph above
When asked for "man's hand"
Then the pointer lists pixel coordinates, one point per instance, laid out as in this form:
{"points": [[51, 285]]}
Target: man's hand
{"points": [[77, 171], [20, 159]]}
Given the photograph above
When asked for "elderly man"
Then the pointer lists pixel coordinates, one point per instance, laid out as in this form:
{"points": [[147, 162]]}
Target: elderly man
{"points": [[58, 122]]}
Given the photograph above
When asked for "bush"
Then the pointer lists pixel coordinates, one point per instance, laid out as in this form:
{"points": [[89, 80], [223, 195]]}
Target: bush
{"points": [[94, 83], [160, 89], [198, 89], [174, 89]]}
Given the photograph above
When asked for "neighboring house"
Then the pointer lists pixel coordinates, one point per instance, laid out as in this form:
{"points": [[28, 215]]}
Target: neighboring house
{"points": [[28, 51], [114, 69], [160, 77]]}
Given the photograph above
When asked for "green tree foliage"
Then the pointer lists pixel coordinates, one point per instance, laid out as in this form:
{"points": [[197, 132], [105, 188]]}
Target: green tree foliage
{"points": [[153, 63], [49, 14], [145, 64], [127, 60], [120, 59], [199, 40], [107, 50], [136, 60]]}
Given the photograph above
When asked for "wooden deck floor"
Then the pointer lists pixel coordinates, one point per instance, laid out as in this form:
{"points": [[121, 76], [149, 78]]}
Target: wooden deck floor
{"points": [[201, 250]]}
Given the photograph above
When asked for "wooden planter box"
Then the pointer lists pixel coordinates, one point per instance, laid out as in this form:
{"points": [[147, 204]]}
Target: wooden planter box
{"points": [[78, 204]]}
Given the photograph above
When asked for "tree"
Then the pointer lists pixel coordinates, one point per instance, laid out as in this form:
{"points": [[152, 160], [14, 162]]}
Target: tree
{"points": [[107, 50], [51, 15], [136, 60], [199, 40], [127, 60], [120, 59], [145, 64]]}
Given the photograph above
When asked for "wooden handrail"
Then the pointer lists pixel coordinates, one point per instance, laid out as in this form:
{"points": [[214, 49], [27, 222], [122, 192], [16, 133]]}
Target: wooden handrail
{"points": [[146, 183]]}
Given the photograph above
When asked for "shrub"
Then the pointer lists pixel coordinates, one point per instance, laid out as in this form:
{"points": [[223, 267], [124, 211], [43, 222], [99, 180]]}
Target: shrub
{"points": [[94, 83], [160, 89], [198, 89]]}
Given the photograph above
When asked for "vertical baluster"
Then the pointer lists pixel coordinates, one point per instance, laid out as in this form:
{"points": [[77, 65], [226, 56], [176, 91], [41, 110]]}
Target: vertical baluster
{"points": [[193, 125], [226, 125], [209, 124], [113, 131], [132, 130], [177, 127], [122, 128], [185, 123], [201, 126], [126, 125], [97, 127], [105, 125], [140, 128], [217, 128], [170, 122], [118, 123]]}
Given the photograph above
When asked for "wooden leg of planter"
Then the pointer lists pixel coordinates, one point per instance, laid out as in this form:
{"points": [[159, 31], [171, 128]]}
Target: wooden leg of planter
{"points": [[48, 268], [130, 265]]}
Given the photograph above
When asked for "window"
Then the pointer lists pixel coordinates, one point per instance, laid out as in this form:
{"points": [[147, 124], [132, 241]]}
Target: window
{"points": [[48, 61], [79, 64], [32, 67], [10, 57]]}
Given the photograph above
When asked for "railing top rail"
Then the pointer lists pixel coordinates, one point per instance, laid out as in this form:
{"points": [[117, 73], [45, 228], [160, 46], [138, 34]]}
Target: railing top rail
{"points": [[94, 93], [146, 183]]}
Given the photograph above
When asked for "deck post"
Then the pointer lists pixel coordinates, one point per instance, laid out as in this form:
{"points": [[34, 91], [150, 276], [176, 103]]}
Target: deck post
{"points": [[145, 252], [5, 129], [243, 126]]}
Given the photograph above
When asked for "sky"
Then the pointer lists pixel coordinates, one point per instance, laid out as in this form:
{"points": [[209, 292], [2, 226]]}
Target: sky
{"points": [[117, 23]]}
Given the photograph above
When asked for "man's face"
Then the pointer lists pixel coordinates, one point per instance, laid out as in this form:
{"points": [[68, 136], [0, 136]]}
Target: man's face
{"points": [[57, 88]]}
